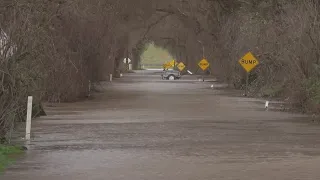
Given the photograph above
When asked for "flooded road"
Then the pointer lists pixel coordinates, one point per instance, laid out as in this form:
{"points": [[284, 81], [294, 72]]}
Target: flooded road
{"points": [[142, 127]]}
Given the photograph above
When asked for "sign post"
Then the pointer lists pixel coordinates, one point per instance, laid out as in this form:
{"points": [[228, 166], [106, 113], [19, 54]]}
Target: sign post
{"points": [[248, 62], [247, 84], [127, 62], [203, 64]]}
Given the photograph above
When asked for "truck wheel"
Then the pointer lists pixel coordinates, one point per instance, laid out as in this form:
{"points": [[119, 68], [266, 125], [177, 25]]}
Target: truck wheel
{"points": [[171, 77]]}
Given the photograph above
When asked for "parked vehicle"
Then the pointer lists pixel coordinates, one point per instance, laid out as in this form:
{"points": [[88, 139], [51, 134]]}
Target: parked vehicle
{"points": [[171, 74]]}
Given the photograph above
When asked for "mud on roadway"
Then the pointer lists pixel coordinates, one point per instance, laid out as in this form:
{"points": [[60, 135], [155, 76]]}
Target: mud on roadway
{"points": [[141, 127]]}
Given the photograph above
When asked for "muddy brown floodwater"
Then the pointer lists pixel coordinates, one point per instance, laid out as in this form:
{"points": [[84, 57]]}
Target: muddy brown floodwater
{"points": [[142, 127]]}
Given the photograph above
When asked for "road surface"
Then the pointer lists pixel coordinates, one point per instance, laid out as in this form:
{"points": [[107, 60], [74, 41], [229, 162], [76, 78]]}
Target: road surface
{"points": [[142, 127]]}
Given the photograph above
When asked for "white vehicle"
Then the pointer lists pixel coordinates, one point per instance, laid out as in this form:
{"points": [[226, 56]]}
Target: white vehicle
{"points": [[171, 74]]}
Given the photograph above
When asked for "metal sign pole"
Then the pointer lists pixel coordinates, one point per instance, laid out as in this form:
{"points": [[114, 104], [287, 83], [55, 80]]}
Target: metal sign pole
{"points": [[247, 84], [202, 78]]}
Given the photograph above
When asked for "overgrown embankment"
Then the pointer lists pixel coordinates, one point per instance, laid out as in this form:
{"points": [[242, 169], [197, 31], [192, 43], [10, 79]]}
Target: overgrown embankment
{"points": [[7, 155], [284, 37], [52, 50]]}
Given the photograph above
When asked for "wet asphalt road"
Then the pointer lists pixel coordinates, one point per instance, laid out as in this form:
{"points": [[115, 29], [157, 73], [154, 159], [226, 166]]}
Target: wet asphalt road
{"points": [[144, 128]]}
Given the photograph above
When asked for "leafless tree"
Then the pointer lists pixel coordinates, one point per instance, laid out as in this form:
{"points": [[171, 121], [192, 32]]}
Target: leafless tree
{"points": [[52, 49]]}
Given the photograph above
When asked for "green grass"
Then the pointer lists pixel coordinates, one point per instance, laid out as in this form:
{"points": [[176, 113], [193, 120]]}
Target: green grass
{"points": [[155, 56], [7, 155]]}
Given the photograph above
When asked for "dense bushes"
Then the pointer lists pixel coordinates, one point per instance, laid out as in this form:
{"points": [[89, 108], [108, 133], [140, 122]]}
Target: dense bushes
{"points": [[51, 49], [285, 38]]}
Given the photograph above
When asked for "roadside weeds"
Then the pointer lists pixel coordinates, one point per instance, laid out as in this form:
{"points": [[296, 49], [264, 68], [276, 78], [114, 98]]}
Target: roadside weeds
{"points": [[8, 154]]}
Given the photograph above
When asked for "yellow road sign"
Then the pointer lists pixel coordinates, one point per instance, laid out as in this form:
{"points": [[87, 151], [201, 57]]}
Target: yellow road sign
{"points": [[181, 66], [248, 62], [166, 65], [173, 63], [203, 64]]}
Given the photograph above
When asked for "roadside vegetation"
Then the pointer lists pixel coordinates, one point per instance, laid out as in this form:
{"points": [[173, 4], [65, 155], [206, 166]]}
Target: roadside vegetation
{"points": [[53, 49], [7, 155]]}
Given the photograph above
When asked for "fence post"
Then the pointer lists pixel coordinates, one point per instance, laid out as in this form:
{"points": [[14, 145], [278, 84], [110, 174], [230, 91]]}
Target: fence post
{"points": [[29, 116], [266, 105], [110, 77]]}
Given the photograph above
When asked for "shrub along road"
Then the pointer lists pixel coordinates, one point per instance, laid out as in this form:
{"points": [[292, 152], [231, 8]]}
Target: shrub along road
{"points": [[7, 155], [142, 127]]}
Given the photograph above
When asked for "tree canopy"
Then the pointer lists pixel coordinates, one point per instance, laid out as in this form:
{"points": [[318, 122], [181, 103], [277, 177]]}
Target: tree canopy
{"points": [[56, 47]]}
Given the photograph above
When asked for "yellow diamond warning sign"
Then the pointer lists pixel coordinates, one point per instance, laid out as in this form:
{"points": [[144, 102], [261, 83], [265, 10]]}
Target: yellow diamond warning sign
{"points": [[173, 63], [248, 62], [166, 65], [203, 64], [181, 66]]}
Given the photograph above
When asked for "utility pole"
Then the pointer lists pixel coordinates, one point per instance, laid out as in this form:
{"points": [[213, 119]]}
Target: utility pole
{"points": [[127, 53], [203, 56], [128, 43]]}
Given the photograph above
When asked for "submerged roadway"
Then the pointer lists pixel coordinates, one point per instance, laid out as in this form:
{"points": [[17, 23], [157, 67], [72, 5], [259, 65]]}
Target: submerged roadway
{"points": [[141, 127]]}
